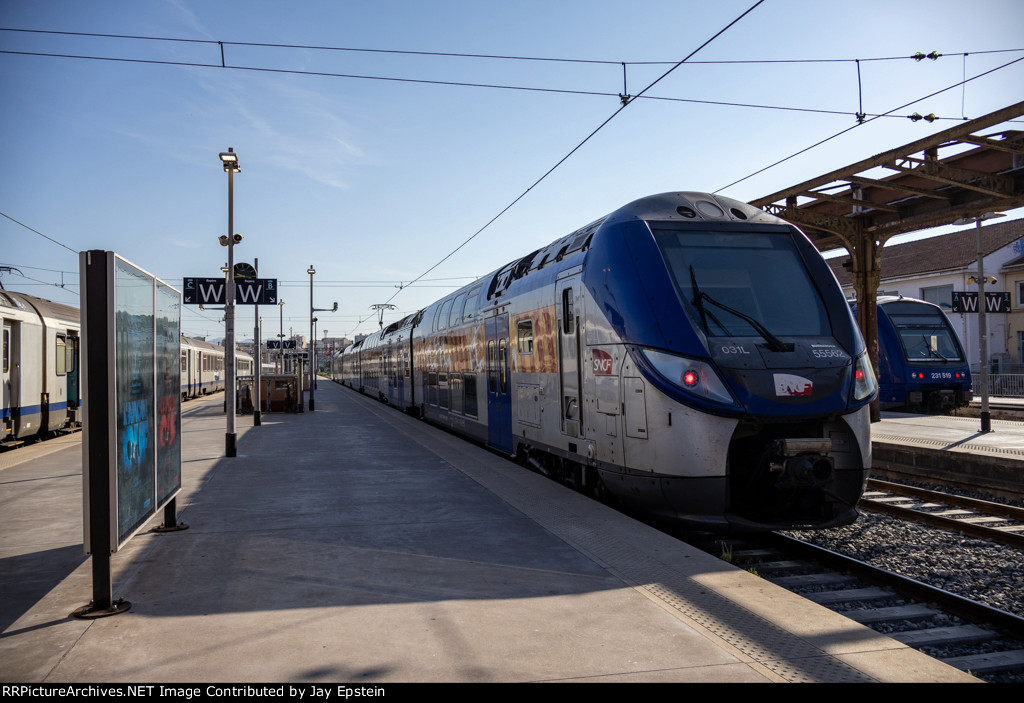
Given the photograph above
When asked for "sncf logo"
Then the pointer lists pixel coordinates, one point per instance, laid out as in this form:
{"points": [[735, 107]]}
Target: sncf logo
{"points": [[788, 384], [602, 363]]}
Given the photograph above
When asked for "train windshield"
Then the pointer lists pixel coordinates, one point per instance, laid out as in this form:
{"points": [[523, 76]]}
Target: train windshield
{"points": [[924, 332], [759, 275]]}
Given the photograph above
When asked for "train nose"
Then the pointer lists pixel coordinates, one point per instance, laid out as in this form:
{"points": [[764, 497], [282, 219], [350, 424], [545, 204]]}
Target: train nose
{"points": [[802, 462]]}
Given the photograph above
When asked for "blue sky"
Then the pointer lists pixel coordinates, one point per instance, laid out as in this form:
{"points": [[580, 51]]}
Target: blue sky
{"points": [[375, 181]]}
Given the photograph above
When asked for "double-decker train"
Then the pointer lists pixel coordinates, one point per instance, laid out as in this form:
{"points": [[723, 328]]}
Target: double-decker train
{"points": [[39, 386], [689, 354], [921, 362]]}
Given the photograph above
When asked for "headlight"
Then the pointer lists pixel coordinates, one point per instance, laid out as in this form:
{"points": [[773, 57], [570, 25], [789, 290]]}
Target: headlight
{"points": [[695, 377], [864, 383]]}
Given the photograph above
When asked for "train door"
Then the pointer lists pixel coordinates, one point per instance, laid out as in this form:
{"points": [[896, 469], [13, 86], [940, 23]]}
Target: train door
{"points": [[9, 394], [499, 397], [71, 367], [569, 313]]}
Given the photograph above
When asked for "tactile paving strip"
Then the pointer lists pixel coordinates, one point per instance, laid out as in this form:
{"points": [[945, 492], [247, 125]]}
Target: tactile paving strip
{"points": [[940, 444]]}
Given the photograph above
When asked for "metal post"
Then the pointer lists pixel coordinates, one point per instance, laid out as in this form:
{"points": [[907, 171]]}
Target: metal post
{"points": [[312, 336], [258, 348], [986, 418], [230, 446]]}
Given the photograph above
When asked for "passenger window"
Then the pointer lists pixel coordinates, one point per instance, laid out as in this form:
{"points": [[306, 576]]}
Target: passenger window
{"points": [[61, 359], [503, 364], [7, 354], [472, 305], [455, 318], [492, 373], [445, 312], [568, 311], [525, 337]]}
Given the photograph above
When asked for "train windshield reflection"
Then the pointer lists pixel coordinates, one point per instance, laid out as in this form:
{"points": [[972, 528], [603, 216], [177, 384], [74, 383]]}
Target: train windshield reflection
{"points": [[745, 271]]}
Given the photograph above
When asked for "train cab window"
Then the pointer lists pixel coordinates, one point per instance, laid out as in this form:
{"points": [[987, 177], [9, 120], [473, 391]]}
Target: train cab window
{"points": [[568, 311], [924, 332], [61, 355], [717, 273], [7, 353], [524, 333]]}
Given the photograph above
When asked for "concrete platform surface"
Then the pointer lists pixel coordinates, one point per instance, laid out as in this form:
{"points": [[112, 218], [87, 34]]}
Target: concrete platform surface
{"points": [[950, 433], [355, 544]]}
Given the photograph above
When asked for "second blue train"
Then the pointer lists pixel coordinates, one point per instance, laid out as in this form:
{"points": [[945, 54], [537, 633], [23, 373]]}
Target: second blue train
{"points": [[922, 366]]}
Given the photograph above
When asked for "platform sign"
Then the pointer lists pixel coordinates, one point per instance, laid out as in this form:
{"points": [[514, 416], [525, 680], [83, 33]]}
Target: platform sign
{"points": [[131, 326], [213, 291], [204, 291], [967, 301]]}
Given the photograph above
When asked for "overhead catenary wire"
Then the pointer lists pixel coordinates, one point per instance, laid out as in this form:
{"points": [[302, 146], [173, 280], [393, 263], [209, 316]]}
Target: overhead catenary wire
{"points": [[39, 233], [495, 86], [454, 84], [503, 57]]}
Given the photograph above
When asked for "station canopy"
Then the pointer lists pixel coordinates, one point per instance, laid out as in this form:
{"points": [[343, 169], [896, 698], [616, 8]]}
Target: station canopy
{"points": [[962, 172]]}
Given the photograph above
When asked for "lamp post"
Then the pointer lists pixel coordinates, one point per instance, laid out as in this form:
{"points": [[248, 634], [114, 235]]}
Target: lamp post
{"points": [[257, 372], [312, 335], [986, 417], [230, 161]]}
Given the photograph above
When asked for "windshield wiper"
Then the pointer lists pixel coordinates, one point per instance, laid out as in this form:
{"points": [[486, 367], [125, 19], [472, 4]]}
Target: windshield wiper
{"points": [[774, 343], [928, 346]]}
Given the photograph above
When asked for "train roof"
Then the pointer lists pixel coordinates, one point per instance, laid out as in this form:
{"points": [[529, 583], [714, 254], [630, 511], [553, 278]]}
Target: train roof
{"points": [[201, 343], [42, 306], [691, 206], [888, 299]]}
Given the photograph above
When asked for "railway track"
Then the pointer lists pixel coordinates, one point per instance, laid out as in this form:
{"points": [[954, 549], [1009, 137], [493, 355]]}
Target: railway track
{"points": [[981, 519], [968, 635]]}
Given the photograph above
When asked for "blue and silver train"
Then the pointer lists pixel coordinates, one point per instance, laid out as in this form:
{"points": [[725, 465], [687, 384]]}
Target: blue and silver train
{"points": [[39, 379], [921, 362], [688, 354]]}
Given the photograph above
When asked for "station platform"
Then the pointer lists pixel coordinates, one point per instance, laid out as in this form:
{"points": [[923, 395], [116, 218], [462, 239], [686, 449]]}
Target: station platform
{"points": [[356, 544], [920, 445]]}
